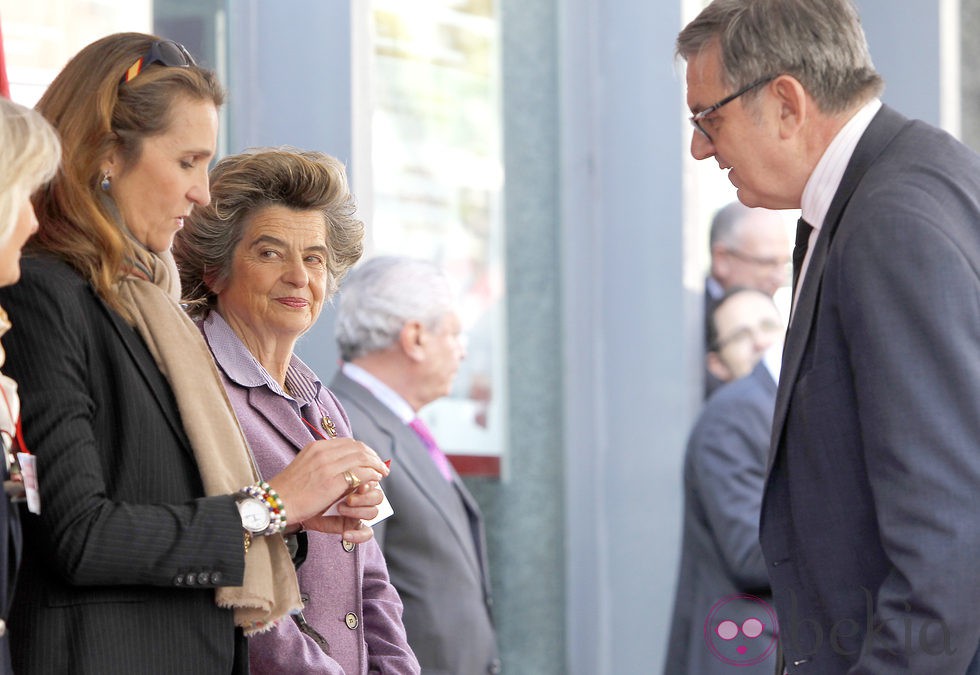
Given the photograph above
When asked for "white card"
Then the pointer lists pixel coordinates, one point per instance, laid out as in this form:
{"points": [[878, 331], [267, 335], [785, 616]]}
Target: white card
{"points": [[384, 510], [28, 470]]}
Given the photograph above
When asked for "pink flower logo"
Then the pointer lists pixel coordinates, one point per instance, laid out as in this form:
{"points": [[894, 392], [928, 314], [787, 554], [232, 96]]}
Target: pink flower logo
{"points": [[741, 630]]}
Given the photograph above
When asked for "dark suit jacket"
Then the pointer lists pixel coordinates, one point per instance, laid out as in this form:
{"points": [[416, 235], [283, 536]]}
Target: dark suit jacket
{"points": [[434, 544], [724, 472], [10, 547], [120, 566], [711, 383], [871, 515]]}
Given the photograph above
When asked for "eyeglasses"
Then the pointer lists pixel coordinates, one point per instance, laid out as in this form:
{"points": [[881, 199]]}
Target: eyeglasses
{"points": [[745, 333], [165, 52], [696, 119]]}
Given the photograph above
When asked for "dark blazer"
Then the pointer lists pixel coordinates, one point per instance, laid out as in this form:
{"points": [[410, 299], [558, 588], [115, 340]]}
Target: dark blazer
{"points": [[10, 551], [724, 472], [871, 516], [711, 301], [434, 544], [120, 566]]}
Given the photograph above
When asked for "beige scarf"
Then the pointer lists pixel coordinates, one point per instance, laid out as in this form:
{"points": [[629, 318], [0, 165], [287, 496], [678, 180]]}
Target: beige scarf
{"points": [[270, 589]]}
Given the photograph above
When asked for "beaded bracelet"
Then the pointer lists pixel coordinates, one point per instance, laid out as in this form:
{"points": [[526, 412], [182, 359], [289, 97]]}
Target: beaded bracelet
{"points": [[277, 510]]}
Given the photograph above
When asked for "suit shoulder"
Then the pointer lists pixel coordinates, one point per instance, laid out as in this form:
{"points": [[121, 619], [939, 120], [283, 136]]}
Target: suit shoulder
{"points": [[48, 286], [738, 394], [47, 274]]}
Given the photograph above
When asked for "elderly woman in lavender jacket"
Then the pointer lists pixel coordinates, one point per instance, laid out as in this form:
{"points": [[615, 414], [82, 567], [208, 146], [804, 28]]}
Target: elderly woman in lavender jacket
{"points": [[256, 266]]}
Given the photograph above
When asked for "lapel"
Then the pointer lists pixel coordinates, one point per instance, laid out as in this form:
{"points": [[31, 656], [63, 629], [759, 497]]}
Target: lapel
{"points": [[415, 463], [280, 415], [883, 129], [148, 368]]}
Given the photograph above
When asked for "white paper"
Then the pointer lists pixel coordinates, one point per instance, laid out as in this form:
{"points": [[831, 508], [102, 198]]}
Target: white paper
{"points": [[384, 509]]}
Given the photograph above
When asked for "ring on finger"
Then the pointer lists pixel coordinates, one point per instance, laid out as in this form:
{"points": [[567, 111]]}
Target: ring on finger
{"points": [[352, 480]]}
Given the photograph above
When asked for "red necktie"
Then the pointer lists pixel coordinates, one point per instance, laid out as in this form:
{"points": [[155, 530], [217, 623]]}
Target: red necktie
{"points": [[438, 456]]}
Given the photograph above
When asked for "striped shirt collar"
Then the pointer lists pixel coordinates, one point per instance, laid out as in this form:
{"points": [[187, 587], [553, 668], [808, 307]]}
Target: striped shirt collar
{"points": [[243, 368], [826, 177]]}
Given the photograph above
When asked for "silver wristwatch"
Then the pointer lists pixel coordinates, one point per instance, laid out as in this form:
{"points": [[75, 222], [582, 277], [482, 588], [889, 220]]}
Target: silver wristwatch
{"points": [[255, 514]]}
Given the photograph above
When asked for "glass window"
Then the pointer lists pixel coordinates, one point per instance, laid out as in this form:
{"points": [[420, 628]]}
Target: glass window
{"points": [[40, 36], [429, 179]]}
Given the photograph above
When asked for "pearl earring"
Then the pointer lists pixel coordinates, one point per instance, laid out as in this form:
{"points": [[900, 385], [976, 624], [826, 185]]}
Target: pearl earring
{"points": [[106, 183]]}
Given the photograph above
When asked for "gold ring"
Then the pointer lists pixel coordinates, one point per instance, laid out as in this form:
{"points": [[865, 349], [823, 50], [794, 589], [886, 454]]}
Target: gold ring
{"points": [[352, 480]]}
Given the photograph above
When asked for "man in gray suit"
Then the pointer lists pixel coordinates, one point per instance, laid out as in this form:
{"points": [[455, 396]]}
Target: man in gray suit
{"points": [[399, 337], [722, 576], [871, 516]]}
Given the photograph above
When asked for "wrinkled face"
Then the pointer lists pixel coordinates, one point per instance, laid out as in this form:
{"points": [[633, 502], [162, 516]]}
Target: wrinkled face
{"points": [[24, 227], [159, 189], [759, 257], [742, 138], [748, 324], [278, 278], [443, 351]]}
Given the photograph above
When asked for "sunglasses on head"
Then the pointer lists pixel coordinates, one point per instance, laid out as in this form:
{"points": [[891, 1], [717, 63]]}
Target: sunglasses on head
{"points": [[165, 52]]}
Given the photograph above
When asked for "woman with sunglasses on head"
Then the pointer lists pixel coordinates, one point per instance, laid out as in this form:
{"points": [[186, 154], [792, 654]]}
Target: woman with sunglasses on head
{"points": [[29, 154], [158, 545]]}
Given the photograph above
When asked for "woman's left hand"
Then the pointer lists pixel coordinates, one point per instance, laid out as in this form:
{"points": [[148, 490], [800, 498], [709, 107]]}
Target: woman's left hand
{"points": [[359, 505]]}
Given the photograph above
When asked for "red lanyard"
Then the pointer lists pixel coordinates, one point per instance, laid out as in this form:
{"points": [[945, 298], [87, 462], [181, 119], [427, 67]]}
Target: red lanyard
{"points": [[18, 435], [315, 430]]}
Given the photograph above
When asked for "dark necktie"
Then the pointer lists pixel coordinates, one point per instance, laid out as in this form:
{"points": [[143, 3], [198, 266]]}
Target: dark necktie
{"points": [[803, 230], [437, 455]]}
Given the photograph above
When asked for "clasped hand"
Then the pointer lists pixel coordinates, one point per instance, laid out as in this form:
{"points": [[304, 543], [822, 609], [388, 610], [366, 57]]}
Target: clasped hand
{"points": [[315, 479]]}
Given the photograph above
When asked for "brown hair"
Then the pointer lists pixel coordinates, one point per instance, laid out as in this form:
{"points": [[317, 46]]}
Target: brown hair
{"points": [[243, 184], [95, 114]]}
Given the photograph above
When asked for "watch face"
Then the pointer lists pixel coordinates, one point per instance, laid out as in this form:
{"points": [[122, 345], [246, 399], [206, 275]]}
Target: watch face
{"points": [[255, 515]]}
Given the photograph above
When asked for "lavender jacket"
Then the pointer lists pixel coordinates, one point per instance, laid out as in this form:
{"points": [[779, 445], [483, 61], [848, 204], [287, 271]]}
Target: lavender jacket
{"points": [[349, 601]]}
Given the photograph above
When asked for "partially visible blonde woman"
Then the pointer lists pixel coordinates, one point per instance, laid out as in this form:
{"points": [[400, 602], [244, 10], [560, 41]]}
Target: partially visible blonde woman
{"points": [[29, 154]]}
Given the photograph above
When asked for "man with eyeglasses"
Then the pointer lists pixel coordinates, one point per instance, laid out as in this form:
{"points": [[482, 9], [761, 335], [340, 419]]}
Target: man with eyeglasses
{"points": [[870, 522], [743, 326], [750, 248]]}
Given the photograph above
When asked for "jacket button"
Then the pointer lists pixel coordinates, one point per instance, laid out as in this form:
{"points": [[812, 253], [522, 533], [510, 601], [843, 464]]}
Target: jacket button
{"points": [[3, 628], [191, 579], [351, 620], [216, 578], [179, 580], [494, 667], [203, 578], [348, 546]]}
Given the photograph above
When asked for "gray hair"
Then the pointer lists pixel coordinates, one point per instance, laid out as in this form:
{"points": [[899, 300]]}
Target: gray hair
{"points": [[384, 293], [29, 155], [725, 224], [819, 42], [243, 184]]}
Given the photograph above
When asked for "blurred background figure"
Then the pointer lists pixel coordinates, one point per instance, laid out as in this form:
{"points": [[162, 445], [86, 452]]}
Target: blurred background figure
{"points": [[749, 248], [742, 327], [29, 155], [724, 475], [399, 338], [256, 265]]}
